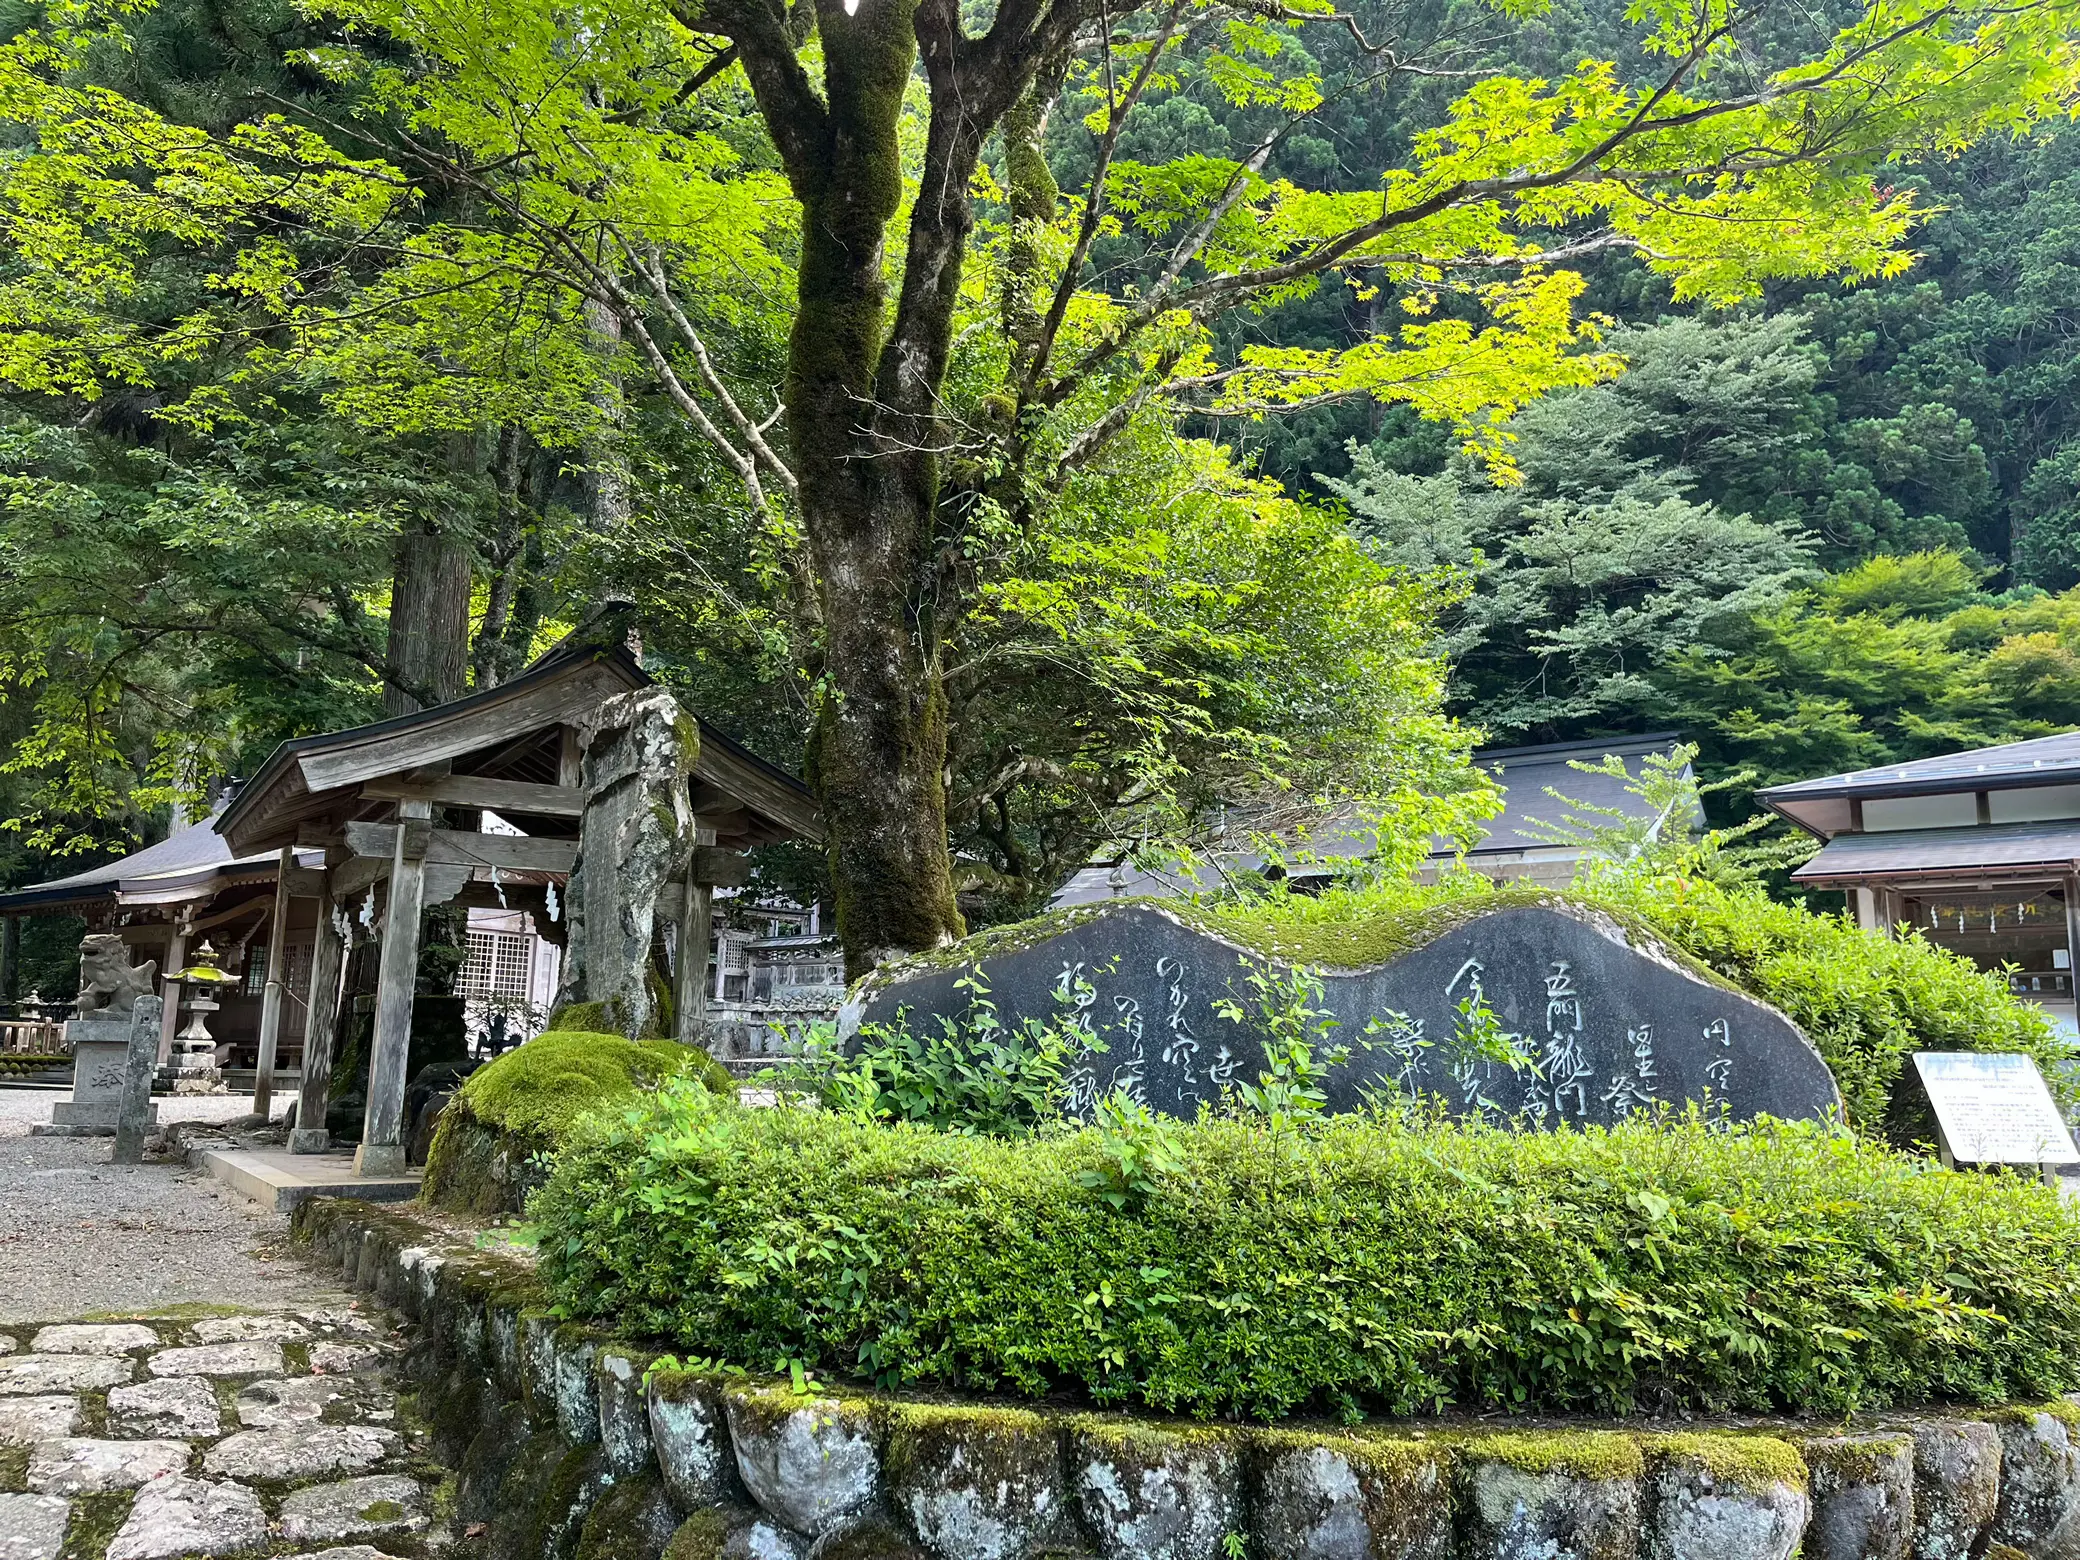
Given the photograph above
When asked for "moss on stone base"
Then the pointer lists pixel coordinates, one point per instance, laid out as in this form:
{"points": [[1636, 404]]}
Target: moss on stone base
{"points": [[633, 1520], [876, 1538], [1583, 1454], [96, 1519], [513, 1113], [700, 1536], [1854, 1459], [1753, 1463]]}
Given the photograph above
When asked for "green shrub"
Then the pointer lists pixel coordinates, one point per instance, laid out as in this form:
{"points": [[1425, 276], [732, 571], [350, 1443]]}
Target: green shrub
{"points": [[1866, 1002], [977, 1074], [1360, 1265], [526, 1102]]}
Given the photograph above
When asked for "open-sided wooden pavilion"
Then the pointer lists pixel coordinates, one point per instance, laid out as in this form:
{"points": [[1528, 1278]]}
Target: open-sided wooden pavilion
{"points": [[578, 768]]}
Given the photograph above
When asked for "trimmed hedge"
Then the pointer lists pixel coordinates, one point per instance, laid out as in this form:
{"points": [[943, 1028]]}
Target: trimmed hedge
{"points": [[1363, 1266], [527, 1102]]}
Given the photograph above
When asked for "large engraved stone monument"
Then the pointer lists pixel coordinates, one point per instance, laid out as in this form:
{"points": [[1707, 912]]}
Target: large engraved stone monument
{"points": [[99, 1039], [1610, 1023]]}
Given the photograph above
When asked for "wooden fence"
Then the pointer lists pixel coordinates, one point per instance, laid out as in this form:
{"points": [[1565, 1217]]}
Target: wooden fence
{"points": [[31, 1037]]}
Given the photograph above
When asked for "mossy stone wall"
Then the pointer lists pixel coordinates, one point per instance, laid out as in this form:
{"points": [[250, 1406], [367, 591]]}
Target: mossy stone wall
{"points": [[718, 1466]]}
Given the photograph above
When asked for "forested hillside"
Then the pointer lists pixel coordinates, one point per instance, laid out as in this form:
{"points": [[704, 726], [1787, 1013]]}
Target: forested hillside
{"points": [[350, 354], [1831, 527]]}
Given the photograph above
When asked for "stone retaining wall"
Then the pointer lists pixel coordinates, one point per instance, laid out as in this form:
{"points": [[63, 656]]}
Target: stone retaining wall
{"points": [[571, 1447]]}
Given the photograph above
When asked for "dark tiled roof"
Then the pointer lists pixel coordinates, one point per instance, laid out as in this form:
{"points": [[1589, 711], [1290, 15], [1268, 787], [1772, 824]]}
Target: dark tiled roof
{"points": [[193, 847], [1525, 774], [1997, 848], [2039, 761]]}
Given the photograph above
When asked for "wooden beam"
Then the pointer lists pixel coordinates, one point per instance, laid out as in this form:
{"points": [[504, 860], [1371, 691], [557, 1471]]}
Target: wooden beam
{"points": [[382, 1127], [763, 793], [504, 796], [443, 883], [271, 999], [320, 1016], [304, 882], [451, 736], [716, 868], [696, 906], [356, 875], [371, 839], [462, 848]]}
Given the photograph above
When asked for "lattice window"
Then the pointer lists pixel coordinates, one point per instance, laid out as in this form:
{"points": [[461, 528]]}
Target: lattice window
{"points": [[296, 970], [500, 964]]}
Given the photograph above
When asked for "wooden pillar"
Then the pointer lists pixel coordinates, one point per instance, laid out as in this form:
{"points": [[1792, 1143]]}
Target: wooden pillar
{"points": [[382, 1128], [1868, 916], [170, 989], [10, 957], [2073, 939], [696, 920], [320, 1018], [271, 998]]}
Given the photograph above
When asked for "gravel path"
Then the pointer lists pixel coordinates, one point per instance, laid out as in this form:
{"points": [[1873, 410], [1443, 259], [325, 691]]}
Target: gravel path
{"points": [[21, 1109], [79, 1235]]}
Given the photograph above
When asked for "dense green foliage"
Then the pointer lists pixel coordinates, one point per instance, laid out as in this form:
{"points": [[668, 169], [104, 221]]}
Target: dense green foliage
{"points": [[297, 295], [1359, 1266], [1866, 1002]]}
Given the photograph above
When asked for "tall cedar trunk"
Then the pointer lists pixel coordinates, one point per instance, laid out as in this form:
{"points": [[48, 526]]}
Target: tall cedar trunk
{"points": [[426, 659]]}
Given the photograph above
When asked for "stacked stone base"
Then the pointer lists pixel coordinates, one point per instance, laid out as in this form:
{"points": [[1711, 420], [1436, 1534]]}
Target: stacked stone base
{"points": [[574, 1445]]}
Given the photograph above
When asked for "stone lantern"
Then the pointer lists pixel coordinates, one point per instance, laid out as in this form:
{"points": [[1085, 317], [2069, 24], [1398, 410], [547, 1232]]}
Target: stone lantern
{"points": [[192, 1067]]}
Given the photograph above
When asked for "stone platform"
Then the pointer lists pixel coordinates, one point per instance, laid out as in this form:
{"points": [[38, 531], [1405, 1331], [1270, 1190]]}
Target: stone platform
{"points": [[278, 1179]]}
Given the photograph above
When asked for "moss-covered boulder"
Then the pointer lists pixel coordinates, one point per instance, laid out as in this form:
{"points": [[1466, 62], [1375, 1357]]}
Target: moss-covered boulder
{"points": [[975, 1483], [1957, 1486], [1155, 1494], [512, 1115], [624, 1414], [1350, 1497], [813, 1463], [732, 1533], [577, 1384], [633, 1520], [1863, 1496], [691, 1436], [1727, 1497], [2039, 1511], [1537, 1497]]}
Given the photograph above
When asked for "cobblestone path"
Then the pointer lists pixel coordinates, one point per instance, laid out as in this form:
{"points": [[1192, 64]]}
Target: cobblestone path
{"points": [[188, 1433]]}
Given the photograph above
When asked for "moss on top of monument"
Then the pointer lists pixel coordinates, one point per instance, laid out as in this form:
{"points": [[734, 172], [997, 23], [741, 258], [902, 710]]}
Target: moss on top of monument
{"points": [[543, 1088], [1343, 933]]}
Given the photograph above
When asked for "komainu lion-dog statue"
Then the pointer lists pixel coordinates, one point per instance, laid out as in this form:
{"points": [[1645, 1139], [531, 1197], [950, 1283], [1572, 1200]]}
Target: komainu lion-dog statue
{"points": [[109, 985]]}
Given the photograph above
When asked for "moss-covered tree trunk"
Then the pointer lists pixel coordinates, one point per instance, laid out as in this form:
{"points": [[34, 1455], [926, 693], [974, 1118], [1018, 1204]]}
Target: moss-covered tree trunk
{"points": [[863, 396]]}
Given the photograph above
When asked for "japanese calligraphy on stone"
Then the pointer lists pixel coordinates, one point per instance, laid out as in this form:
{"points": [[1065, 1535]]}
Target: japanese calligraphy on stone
{"points": [[1599, 1030]]}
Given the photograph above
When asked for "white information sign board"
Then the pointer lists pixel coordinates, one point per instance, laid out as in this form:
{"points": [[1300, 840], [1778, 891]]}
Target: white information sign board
{"points": [[1994, 1109]]}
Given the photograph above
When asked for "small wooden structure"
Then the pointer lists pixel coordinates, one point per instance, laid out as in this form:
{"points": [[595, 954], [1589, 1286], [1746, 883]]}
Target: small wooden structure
{"points": [[577, 791], [1977, 851], [163, 901]]}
